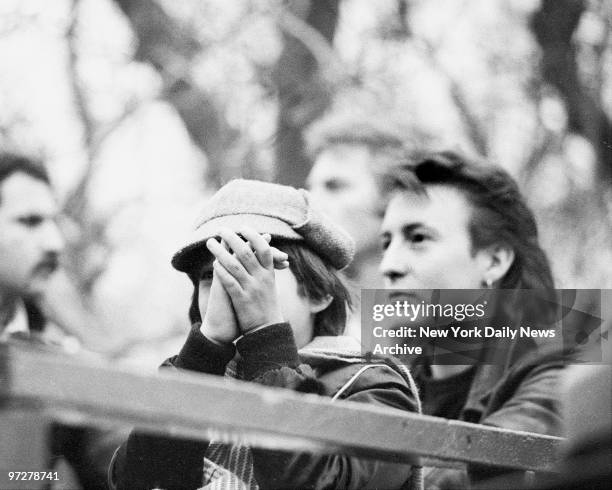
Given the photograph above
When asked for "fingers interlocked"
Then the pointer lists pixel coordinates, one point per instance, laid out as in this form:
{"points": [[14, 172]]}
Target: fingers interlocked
{"points": [[246, 257], [246, 271]]}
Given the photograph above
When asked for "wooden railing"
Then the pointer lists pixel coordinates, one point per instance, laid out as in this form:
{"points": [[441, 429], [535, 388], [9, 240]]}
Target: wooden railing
{"points": [[198, 406]]}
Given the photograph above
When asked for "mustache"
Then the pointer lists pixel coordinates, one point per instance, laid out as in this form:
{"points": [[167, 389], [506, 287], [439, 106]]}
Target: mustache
{"points": [[49, 263]]}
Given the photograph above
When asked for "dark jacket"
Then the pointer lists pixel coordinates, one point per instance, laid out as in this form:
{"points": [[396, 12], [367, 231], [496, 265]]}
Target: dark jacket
{"points": [[269, 357], [88, 450], [518, 390]]}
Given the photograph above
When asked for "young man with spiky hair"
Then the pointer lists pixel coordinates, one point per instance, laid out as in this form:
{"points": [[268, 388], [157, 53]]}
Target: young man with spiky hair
{"points": [[452, 222]]}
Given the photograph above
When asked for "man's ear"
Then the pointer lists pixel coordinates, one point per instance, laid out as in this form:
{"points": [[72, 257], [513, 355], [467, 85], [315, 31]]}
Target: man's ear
{"points": [[316, 306], [497, 260]]}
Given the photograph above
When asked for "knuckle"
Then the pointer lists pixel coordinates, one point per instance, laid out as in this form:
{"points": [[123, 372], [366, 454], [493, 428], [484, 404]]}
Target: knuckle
{"points": [[234, 268], [266, 255], [247, 284], [247, 255], [262, 277], [248, 296], [267, 280]]}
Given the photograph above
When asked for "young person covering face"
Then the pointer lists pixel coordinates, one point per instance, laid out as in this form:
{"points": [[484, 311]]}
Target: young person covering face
{"points": [[264, 265], [453, 223]]}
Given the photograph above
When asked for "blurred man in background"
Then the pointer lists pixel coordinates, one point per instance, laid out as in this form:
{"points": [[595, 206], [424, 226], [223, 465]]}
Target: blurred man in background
{"points": [[348, 154], [30, 246], [30, 249]]}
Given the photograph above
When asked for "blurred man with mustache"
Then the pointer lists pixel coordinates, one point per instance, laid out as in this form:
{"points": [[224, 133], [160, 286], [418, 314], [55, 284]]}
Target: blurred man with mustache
{"points": [[30, 245], [30, 249]]}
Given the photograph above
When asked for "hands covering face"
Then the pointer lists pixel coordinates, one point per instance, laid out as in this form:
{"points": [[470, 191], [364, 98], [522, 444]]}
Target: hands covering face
{"points": [[243, 291]]}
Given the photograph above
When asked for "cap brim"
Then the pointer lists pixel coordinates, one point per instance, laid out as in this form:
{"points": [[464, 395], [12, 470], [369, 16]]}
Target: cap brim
{"points": [[195, 253]]}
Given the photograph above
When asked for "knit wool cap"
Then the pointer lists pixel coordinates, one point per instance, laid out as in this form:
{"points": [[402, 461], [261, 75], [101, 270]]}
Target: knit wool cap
{"points": [[282, 211]]}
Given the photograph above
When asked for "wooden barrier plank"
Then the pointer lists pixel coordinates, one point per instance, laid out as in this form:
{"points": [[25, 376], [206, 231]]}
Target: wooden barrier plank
{"points": [[188, 404]]}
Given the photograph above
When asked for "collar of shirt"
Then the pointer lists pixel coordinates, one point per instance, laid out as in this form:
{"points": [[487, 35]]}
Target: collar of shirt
{"points": [[17, 325]]}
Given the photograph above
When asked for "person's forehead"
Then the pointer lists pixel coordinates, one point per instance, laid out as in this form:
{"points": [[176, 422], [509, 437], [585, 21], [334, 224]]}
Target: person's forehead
{"points": [[440, 206], [344, 157], [22, 193], [347, 166]]}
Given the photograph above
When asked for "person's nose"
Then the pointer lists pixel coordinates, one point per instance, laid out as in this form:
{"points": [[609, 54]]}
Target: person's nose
{"points": [[394, 265], [52, 239]]}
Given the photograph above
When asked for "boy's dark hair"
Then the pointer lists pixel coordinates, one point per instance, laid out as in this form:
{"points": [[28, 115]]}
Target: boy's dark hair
{"points": [[500, 214], [11, 163], [316, 280]]}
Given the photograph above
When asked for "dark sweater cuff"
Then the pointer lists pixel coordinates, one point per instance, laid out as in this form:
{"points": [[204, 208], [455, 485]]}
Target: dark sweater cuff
{"points": [[203, 355], [271, 347]]}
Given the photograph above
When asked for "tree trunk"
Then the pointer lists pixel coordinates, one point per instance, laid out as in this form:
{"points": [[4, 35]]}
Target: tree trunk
{"points": [[554, 25], [170, 48], [303, 94]]}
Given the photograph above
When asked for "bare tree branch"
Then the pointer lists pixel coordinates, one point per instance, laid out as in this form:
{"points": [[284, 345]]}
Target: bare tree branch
{"points": [[102, 134], [74, 79], [16, 21], [475, 129], [75, 201], [554, 25], [331, 68], [170, 47], [403, 8], [543, 145], [92, 230]]}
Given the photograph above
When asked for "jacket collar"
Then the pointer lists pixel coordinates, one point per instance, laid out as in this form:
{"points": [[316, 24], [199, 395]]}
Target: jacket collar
{"points": [[17, 325], [497, 358], [326, 348]]}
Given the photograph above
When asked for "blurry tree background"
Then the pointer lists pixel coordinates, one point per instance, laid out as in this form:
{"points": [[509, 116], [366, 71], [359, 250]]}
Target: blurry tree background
{"points": [[141, 108]]}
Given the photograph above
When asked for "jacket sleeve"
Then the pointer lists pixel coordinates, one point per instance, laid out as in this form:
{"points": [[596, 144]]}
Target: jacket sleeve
{"points": [[149, 461], [529, 397], [269, 357]]}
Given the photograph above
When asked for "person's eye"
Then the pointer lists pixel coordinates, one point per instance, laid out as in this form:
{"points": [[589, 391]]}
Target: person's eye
{"points": [[418, 238], [334, 185], [206, 275], [31, 221]]}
